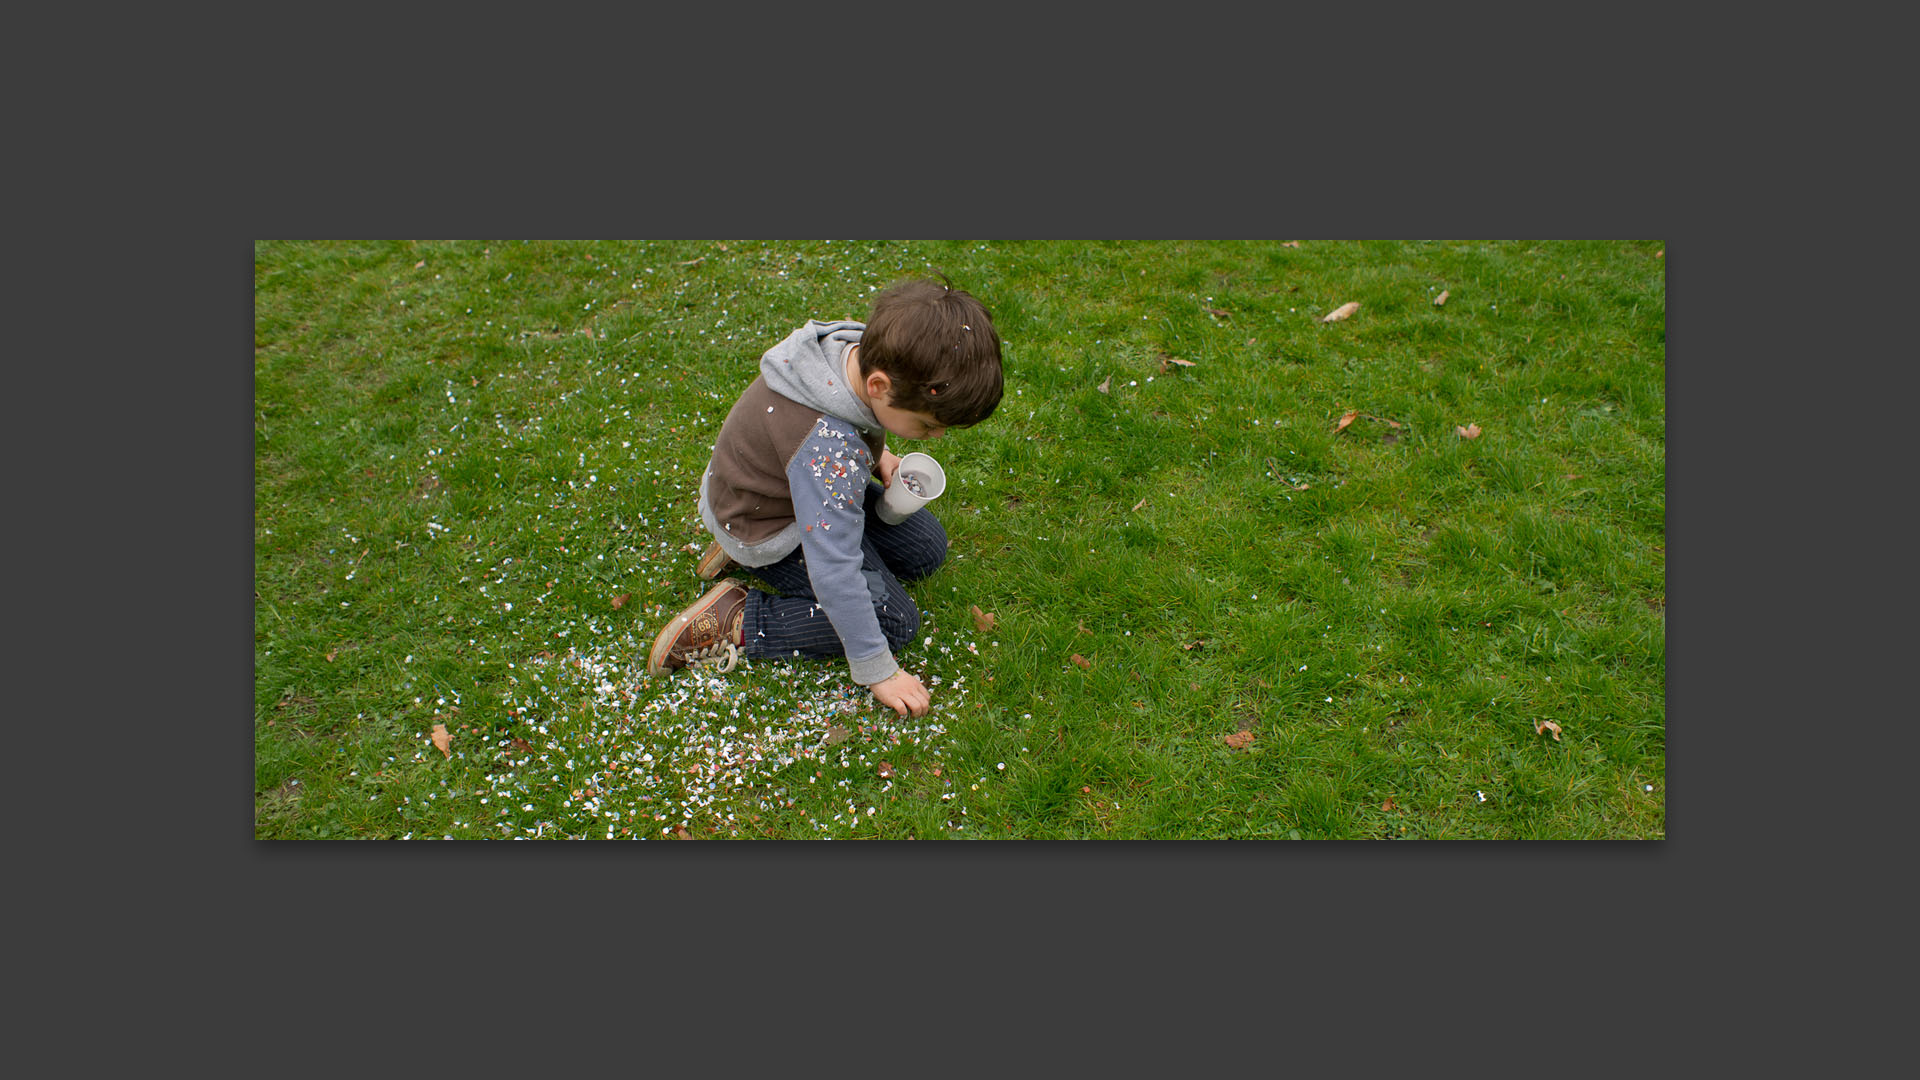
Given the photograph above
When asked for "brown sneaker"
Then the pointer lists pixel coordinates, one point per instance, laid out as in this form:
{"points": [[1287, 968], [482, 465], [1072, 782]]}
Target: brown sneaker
{"points": [[715, 562], [708, 632]]}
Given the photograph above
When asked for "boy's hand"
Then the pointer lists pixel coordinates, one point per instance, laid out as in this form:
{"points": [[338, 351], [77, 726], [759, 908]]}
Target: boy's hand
{"points": [[902, 693], [889, 462]]}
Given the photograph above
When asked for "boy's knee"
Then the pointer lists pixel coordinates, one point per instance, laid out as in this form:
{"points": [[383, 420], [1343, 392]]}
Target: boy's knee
{"points": [[927, 555], [899, 624]]}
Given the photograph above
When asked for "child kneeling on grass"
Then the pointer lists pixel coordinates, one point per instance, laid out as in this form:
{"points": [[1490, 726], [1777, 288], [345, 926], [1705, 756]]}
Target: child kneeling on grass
{"points": [[788, 495]]}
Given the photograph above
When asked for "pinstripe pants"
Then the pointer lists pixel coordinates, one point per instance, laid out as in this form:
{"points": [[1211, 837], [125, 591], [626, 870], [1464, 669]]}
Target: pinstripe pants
{"points": [[792, 621]]}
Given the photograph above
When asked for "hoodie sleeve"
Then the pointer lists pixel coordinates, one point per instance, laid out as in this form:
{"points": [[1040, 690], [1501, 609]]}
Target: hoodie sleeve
{"points": [[828, 480]]}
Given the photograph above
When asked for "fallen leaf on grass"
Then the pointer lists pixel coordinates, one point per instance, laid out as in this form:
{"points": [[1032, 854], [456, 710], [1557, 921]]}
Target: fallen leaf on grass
{"points": [[1388, 805], [984, 621], [1104, 383], [442, 740], [885, 770], [1219, 312], [1198, 643], [680, 831], [331, 653], [1081, 625], [1169, 358], [1291, 243], [420, 265], [621, 600], [1471, 431], [1345, 420], [1547, 725], [836, 735], [1344, 311], [1441, 299], [1661, 254], [1083, 661], [695, 262], [1135, 510], [1240, 740]]}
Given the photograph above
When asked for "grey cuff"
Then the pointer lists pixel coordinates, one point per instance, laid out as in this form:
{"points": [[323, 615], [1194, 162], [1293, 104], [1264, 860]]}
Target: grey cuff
{"points": [[877, 668]]}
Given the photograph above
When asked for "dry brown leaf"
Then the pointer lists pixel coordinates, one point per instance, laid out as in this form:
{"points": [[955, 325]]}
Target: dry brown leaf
{"points": [[1169, 358], [1345, 420], [1291, 243], [1081, 625], [1471, 431], [1240, 740], [1197, 643], [1547, 725], [420, 265], [1104, 383], [837, 734], [1571, 476], [885, 770], [621, 600], [1219, 312], [331, 653], [1083, 661], [1135, 510], [1441, 299], [1344, 311], [695, 262], [442, 740], [1661, 254], [1388, 805], [984, 621]]}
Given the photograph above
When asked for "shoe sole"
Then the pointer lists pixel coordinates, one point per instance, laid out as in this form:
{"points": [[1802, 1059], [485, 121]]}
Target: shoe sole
{"points": [[714, 562], [663, 642]]}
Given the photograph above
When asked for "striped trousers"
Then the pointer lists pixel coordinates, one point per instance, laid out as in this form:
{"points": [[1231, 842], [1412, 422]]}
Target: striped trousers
{"points": [[790, 621]]}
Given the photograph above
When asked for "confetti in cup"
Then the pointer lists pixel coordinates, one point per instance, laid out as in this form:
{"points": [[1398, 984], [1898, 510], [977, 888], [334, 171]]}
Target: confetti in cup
{"points": [[916, 482]]}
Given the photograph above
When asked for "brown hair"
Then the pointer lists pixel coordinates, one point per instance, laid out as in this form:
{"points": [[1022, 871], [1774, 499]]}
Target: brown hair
{"points": [[938, 345]]}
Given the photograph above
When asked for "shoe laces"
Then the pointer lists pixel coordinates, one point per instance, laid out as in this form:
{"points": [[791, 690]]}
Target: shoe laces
{"points": [[721, 656]]}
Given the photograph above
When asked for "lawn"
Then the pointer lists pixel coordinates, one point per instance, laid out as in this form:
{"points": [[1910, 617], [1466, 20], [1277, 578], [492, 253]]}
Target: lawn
{"points": [[1220, 568]]}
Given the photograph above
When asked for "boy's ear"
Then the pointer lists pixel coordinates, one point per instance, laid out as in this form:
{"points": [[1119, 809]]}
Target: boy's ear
{"points": [[878, 383]]}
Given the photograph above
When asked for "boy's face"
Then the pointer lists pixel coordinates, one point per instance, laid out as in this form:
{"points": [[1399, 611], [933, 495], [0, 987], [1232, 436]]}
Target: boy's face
{"points": [[907, 425]]}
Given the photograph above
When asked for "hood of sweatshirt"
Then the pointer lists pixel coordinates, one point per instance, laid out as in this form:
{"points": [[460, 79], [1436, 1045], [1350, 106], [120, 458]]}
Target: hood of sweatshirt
{"points": [[810, 367]]}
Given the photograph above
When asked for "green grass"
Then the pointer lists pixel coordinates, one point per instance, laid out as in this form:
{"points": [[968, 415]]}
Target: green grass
{"points": [[461, 465]]}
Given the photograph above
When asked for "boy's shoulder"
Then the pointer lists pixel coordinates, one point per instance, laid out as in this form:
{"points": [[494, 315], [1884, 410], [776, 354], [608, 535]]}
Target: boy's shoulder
{"points": [[784, 421]]}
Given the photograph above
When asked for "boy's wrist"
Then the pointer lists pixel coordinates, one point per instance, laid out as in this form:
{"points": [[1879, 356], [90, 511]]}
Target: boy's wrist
{"points": [[874, 670]]}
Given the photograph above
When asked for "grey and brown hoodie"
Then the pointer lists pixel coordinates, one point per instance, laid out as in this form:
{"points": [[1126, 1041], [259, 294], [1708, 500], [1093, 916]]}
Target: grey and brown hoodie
{"points": [[790, 469]]}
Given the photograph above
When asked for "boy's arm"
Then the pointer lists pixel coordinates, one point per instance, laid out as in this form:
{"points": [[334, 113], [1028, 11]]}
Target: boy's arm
{"points": [[828, 479]]}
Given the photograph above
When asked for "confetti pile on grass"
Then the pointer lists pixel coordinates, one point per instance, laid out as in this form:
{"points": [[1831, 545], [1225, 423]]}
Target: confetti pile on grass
{"points": [[598, 750]]}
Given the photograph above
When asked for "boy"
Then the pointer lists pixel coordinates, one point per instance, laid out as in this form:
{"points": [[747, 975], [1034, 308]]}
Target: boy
{"points": [[787, 495]]}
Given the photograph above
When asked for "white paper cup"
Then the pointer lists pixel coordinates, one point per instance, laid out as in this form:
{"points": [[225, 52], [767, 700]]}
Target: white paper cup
{"points": [[900, 499]]}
